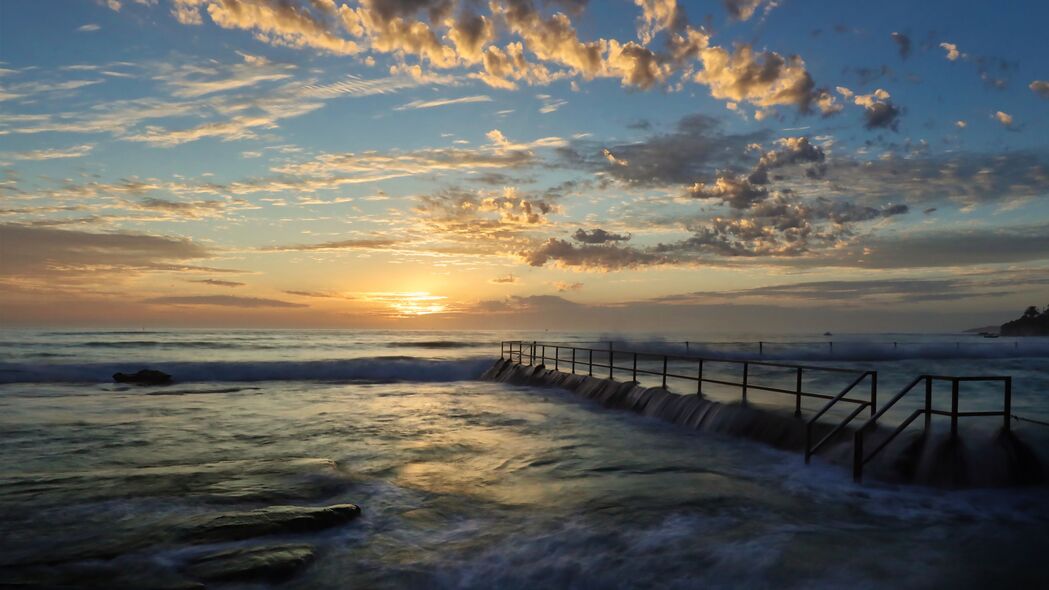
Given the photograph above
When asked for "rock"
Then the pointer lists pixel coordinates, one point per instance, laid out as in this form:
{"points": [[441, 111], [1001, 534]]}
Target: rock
{"points": [[270, 562], [232, 526], [143, 377]]}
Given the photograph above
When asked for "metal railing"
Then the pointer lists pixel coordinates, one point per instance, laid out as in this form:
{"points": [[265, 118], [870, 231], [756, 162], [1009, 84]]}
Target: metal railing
{"points": [[859, 459], [575, 357]]}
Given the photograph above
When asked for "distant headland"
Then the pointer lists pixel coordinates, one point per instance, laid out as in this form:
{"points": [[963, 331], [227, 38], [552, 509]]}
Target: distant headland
{"points": [[1031, 323]]}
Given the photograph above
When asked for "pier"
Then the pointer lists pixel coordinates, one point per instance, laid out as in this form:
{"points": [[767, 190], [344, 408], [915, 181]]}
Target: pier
{"points": [[858, 395]]}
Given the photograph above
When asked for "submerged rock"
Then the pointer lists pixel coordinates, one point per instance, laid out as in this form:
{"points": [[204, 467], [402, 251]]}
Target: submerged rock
{"points": [[270, 562], [143, 377], [233, 526]]}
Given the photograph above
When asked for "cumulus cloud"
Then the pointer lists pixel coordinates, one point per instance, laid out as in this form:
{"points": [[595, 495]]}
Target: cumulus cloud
{"points": [[542, 48], [1040, 87], [278, 22], [88, 28], [879, 111], [952, 51], [764, 79], [1004, 118], [738, 193], [598, 236], [588, 256]]}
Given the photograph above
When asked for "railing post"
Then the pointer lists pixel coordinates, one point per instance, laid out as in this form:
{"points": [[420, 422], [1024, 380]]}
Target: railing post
{"points": [[533, 353], [542, 357], [954, 408], [664, 371], [573, 360], [611, 360], [874, 392], [699, 379], [590, 371], [857, 456], [1008, 403], [502, 350], [797, 394], [928, 404], [686, 347], [634, 375], [557, 358], [761, 348], [746, 371]]}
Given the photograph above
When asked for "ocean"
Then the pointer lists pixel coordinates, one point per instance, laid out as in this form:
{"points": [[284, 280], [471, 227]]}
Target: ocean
{"points": [[465, 483]]}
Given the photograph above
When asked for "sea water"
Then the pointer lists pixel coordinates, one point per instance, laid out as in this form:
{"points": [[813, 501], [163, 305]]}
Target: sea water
{"points": [[474, 484]]}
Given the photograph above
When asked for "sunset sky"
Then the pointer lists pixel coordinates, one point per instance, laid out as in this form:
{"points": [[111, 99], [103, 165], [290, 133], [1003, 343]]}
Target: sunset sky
{"points": [[779, 165]]}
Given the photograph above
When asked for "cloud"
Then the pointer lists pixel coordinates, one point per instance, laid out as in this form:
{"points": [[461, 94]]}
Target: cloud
{"points": [[278, 22], [76, 151], [537, 48], [764, 79], [744, 9], [598, 236], [588, 257], [356, 244], [220, 300], [878, 291], [695, 148], [88, 28], [952, 51], [738, 193], [565, 287], [218, 283], [58, 255], [429, 104], [903, 43], [507, 280], [1040, 87], [879, 112], [945, 248], [1004, 118]]}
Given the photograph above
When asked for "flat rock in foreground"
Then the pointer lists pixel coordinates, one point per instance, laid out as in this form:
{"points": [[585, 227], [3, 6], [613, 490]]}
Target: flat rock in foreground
{"points": [[233, 526]]}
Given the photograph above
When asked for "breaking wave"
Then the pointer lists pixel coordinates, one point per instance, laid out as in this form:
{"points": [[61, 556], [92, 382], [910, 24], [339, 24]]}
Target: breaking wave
{"points": [[377, 369]]}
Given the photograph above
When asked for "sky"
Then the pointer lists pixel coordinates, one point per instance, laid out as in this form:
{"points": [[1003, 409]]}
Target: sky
{"points": [[716, 165]]}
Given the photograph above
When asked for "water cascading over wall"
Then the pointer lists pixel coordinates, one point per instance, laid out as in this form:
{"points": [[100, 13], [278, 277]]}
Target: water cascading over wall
{"points": [[929, 460]]}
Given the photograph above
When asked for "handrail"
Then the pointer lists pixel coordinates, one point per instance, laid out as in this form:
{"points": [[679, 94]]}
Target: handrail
{"points": [[685, 357], [607, 357], [537, 352], [809, 448], [859, 459]]}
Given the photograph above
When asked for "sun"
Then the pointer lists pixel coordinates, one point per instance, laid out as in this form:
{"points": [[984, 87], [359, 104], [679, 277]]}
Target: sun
{"points": [[410, 303]]}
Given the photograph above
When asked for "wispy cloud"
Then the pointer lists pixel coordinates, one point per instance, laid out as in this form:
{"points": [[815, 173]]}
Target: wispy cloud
{"points": [[76, 151], [440, 102]]}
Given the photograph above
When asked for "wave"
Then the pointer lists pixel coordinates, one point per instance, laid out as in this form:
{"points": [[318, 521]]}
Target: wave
{"points": [[374, 369], [845, 351], [441, 344]]}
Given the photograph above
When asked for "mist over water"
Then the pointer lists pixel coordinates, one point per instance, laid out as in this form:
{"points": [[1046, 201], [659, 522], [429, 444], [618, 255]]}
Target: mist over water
{"points": [[462, 483]]}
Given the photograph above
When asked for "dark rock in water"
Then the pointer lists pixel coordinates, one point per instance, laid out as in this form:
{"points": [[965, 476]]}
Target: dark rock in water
{"points": [[143, 377], [269, 562], [233, 526]]}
